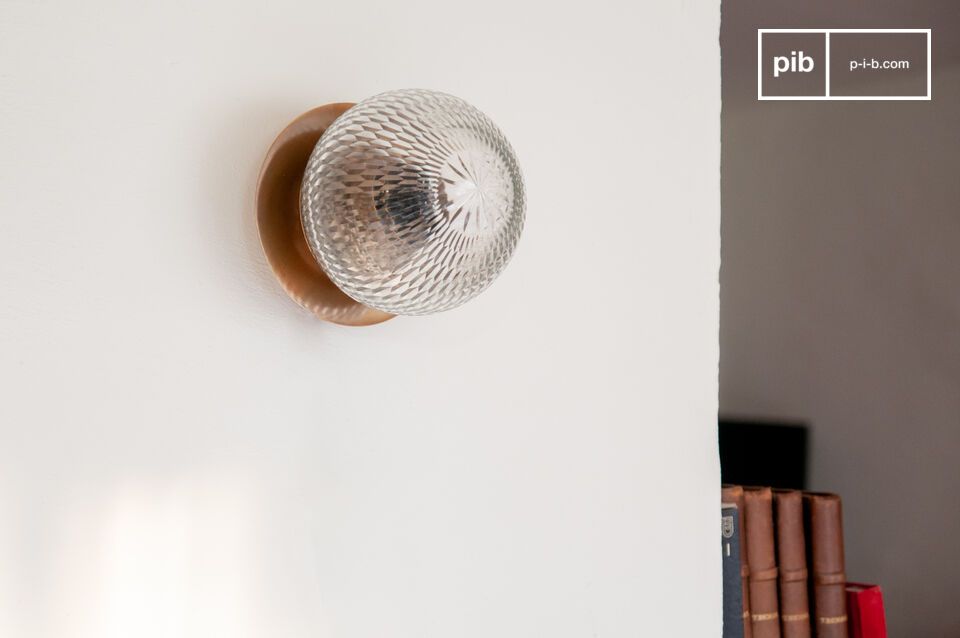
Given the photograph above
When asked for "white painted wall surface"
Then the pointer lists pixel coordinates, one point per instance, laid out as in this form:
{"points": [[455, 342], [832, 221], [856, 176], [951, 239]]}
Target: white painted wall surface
{"points": [[184, 452]]}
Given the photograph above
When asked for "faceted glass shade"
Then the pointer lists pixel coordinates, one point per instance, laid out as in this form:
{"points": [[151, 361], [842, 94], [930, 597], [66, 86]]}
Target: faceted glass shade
{"points": [[412, 202]]}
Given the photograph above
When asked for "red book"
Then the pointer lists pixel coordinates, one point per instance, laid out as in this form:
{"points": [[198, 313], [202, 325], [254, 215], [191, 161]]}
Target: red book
{"points": [[865, 610]]}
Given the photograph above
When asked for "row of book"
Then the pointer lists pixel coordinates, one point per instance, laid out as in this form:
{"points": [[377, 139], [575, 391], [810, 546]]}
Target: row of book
{"points": [[783, 568]]}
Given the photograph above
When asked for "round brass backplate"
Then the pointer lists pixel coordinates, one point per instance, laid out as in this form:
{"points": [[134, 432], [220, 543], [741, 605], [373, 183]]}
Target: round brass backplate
{"points": [[281, 231]]}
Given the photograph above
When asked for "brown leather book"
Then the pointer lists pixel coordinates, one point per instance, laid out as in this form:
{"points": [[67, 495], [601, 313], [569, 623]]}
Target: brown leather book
{"points": [[824, 528], [734, 494], [761, 557], [792, 563]]}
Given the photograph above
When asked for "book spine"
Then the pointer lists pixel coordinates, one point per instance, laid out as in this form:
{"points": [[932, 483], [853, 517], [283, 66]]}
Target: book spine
{"points": [[761, 557], [865, 609], [824, 526], [792, 564], [736, 614]]}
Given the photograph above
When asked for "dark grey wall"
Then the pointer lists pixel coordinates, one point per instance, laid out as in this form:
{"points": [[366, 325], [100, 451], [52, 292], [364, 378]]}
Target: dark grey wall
{"points": [[840, 296]]}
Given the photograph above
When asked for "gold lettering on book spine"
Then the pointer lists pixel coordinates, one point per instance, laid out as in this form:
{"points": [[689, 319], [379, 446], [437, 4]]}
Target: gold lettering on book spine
{"points": [[761, 617], [795, 617], [832, 620]]}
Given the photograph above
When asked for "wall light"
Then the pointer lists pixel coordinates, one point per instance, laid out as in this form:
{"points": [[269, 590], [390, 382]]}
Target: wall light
{"points": [[408, 203]]}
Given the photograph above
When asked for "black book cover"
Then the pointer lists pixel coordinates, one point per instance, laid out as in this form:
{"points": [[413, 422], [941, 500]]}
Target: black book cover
{"points": [[732, 584]]}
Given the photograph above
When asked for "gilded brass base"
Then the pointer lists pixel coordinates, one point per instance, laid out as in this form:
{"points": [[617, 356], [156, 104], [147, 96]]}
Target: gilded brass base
{"points": [[281, 231]]}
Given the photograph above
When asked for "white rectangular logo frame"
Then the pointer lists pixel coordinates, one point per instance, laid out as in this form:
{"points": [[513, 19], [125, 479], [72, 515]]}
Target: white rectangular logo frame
{"points": [[826, 56]]}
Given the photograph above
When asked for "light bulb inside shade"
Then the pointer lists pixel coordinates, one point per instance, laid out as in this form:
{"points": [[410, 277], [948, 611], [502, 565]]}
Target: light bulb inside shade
{"points": [[412, 202]]}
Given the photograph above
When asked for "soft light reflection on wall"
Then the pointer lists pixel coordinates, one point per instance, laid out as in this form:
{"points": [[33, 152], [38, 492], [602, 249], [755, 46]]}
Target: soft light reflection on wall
{"points": [[159, 558], [177, 561]]}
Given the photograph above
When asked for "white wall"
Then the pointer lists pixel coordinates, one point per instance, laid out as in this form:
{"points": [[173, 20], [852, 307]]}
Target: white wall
{"points": [[184, 452]]}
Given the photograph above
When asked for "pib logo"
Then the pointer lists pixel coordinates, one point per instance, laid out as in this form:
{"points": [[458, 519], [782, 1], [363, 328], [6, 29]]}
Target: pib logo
{"points": [[791, 64], [797, 62]]}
